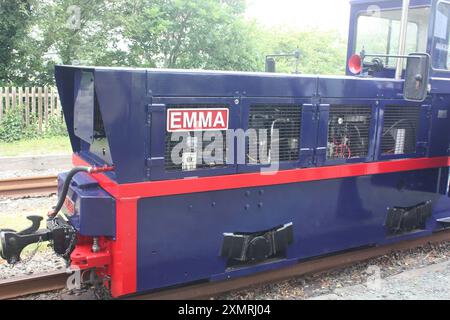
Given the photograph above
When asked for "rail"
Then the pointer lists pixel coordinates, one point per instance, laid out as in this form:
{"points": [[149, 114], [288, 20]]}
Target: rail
{"points": [[25, 187]]}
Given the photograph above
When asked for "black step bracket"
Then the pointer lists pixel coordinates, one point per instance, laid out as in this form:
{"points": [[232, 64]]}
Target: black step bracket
{"points": [[401, 220], [244, 248]]}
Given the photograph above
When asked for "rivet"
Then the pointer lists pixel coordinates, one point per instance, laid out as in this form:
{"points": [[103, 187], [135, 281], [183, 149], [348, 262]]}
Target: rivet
{"points": [[214, 204], [247, 206], [247, 193]]}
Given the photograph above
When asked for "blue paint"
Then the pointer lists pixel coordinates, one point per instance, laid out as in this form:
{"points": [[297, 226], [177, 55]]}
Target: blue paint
{"points": [[95, 209], [180, 237]]}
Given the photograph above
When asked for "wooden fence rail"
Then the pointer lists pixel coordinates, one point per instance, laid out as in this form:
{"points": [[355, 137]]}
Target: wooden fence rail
{"points": [[38, 103]]}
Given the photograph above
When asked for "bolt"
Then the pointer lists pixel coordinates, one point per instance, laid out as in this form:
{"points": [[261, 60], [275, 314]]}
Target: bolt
{"points": [[95, 245]]}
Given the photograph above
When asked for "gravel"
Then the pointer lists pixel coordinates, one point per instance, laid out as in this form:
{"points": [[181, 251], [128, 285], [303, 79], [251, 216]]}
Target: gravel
{"points": [[43, 262], [37, 205], [328, 285]]}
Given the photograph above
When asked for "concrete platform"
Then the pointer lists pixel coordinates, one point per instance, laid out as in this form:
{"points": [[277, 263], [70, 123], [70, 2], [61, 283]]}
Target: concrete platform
{"points": [[38, 163]]}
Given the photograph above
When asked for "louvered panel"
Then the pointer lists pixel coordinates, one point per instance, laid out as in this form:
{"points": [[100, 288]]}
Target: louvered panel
{"points": [[266, 121], [198, 143], [400, 130], [348, 132]]}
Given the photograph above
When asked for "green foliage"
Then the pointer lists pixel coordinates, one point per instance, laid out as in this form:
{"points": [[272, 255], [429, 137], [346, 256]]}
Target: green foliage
{"points": [[15, 16], [56, 127], [12, 126], [208, 34], [321, 52], [187, 34]]}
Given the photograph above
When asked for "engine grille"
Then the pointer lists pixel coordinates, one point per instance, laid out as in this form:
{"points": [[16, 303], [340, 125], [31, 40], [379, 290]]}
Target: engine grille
{"points": [[265, 119], [400, 130], [192, 158], [348, 132]]}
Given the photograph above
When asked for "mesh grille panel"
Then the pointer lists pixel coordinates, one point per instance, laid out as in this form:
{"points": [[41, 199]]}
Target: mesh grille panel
{"points": [[193, 153], [400, 130], [348, 132], [266, 120]]}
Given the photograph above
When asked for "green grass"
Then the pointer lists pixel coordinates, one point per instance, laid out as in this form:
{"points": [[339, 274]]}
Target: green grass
{"points": [[18, 221], [41, 146]]}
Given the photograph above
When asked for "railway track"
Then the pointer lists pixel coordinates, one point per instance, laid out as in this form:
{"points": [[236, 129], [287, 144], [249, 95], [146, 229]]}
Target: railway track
{"points": [[14, 288], [26, 187]]}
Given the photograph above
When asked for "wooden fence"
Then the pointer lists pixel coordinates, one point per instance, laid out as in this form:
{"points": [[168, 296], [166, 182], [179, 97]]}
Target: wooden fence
{"points": [[37, 103]]}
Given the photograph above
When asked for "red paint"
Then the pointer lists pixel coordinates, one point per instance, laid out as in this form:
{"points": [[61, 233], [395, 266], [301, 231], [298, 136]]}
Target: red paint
{"points": [[248, 180], [123, 268], [188, 120], [105, 168], [83, 257], [69, 206], [124, 264]]}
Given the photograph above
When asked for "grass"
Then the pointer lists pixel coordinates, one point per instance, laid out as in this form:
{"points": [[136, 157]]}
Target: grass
{"points": [[41, 146], [18, 221]]}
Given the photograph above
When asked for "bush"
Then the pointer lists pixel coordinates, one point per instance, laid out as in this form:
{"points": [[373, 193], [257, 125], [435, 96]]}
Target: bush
{"points": [[31, 131], [12, 126], [56, 127]]}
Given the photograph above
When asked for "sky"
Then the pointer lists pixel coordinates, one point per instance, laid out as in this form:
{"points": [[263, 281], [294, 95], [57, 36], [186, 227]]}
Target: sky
{"points": [[301, 14]]}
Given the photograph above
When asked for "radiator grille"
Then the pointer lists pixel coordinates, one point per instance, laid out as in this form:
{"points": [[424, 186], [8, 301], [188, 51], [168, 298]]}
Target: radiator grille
{"points": [[264, 120], [192, 157], [348, 132], [400, 130]]}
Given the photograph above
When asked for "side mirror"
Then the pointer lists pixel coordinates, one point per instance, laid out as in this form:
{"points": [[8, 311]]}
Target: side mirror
{"points": [[417, 77]]}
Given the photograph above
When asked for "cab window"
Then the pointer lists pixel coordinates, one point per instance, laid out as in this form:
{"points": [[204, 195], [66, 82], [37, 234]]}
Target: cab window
{"points": [[379, 32], [441, 37]]}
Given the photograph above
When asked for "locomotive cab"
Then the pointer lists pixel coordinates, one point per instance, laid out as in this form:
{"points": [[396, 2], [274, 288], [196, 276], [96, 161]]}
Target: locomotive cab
{"points": [[376, 28]]}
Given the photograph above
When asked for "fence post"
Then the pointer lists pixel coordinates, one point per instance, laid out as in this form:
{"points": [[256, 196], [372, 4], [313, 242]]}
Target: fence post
{"points": [[33, 102], [46, 105], [1, 103], [13, 98], [51, 101], [58, 104], [27, 105], [6, 99], [20, 105], [40, 107]]}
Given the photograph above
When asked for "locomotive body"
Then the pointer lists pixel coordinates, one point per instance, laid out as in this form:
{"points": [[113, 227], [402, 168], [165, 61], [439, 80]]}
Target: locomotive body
{"points": [[358, 165]]}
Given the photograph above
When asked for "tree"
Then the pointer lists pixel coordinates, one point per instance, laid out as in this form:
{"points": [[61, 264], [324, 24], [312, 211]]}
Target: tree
{"points": [[322, 52], [188, 34], [14, 20], [208, 34]]}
